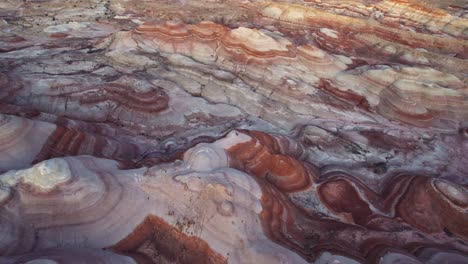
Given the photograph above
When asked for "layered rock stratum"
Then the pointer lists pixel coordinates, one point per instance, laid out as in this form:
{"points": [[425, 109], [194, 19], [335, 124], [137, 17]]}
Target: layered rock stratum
{"points": [[229, 131]]}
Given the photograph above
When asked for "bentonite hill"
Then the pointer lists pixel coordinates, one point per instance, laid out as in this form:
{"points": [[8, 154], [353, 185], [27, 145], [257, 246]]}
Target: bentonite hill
{"points": [[229, 131]]}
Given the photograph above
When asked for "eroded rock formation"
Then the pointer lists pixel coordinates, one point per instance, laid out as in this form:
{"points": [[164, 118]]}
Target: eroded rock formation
{"points": [[233, 131]]}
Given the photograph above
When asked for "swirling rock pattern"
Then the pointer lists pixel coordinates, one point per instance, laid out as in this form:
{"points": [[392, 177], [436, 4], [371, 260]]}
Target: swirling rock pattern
{"points": [[233, 131], [299, 75]]}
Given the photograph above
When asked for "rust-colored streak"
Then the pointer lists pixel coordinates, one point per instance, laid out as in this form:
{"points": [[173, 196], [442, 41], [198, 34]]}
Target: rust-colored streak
{"points": [[348, 96], [160, 242], [47, 150], [58, 35], [15, 39]]}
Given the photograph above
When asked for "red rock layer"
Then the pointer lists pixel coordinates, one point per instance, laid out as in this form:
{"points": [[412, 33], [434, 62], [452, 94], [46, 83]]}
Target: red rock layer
{"points": [[301, 15], [273, 159], [65, 142], [372, 87], [150, 102], [299, 209], [414, 199], [27, 140], [368, 221], [409, 212], [354, 35], [155, 241], [122, 102], [420, 96], [425, 18]]}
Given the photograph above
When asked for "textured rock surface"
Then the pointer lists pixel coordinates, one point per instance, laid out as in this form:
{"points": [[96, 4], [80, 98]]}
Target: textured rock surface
{"points": [[233, 131]]}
